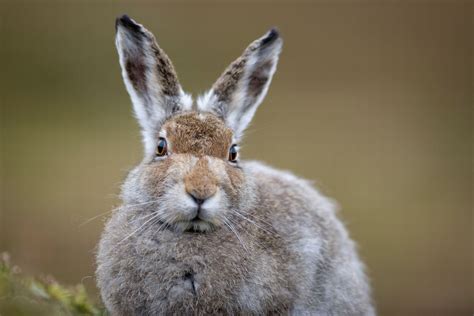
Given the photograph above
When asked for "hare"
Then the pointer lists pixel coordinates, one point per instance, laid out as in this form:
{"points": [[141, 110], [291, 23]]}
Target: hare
{"points": [[201, 231]]}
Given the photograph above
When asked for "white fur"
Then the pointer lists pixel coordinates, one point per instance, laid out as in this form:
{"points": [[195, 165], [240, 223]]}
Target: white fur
{"points": [[186, 101], [206, 101]]}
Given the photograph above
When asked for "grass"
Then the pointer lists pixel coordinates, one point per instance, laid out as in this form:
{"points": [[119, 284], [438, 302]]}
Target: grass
{"points": [[24, 295]]}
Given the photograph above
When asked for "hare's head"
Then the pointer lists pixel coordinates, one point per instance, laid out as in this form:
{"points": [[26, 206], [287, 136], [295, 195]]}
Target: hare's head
{"points": [[191, 174]]}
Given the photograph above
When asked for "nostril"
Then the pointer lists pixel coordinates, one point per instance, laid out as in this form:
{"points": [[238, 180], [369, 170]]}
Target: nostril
{"points": [[198, 201]]}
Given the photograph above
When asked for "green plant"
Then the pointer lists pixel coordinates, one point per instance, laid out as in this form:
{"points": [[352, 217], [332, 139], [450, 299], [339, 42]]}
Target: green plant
{"points": [[22, 295]]}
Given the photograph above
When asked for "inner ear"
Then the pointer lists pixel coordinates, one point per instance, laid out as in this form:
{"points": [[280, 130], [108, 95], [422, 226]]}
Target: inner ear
{"points": [[135, 67], [259, 77]]}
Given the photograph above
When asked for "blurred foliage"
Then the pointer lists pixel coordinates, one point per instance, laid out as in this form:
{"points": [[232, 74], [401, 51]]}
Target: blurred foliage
{"points": [[22, 295]]}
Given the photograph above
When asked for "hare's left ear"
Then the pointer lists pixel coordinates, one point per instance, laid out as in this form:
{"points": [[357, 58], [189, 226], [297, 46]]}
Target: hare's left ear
{"points": [[241, 88]]}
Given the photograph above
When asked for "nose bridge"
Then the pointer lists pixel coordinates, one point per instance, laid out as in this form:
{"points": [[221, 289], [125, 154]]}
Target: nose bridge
{"points": [[201, 182]]}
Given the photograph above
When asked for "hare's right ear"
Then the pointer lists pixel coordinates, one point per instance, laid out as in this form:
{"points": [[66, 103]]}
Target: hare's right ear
{"points": [[149, 77], [241, 88]]}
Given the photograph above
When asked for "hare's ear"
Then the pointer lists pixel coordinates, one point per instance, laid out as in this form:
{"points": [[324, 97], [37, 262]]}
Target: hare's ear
{"points": [[149, 77], [241, 88]]}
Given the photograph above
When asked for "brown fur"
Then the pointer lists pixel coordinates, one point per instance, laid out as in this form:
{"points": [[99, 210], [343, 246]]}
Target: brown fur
{"points": [[202, 135], [198, 135], [201, 182]]}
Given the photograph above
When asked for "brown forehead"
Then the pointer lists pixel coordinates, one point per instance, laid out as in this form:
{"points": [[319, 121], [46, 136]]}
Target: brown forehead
{"points": [[198, 134]]}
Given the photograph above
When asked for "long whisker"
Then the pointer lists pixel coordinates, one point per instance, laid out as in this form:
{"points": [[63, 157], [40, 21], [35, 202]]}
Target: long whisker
{"points": [[143, 217], [114, 209], [227, 223], [254, 239], [97, 216], [257, 218], [164, 219], [153, 223], [139, 228], [250, 221]]}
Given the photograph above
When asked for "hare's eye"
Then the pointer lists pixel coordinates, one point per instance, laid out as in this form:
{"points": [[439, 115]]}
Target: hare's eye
{"points": [[233, 153], [162, 147]]}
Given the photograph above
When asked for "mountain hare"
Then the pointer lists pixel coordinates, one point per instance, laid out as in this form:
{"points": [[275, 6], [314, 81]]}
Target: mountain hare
{"points": [[201, 231]]}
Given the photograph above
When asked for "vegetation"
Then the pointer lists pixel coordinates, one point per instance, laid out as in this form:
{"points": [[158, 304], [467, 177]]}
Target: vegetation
{"points": [[22, 295]]}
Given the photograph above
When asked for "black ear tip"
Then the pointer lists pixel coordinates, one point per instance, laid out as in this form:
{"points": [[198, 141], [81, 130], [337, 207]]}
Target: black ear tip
{"points": [[271, 36], [274, 32], [123, 20], [126, 22]]}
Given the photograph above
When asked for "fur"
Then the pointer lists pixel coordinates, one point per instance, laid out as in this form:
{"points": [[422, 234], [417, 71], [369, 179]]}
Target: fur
{"points": [[149, 77], [260, 241], [239, 91]]}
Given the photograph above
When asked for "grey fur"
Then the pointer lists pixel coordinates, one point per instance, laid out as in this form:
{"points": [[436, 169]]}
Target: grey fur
{"points": [[286, 252]]}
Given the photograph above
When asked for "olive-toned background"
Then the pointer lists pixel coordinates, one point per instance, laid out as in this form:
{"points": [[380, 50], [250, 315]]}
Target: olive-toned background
{"points": [[371, 101]]}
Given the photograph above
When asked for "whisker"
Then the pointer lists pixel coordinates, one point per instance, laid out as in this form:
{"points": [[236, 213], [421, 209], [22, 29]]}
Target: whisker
{"points": [[139, 228], [250, 221], [225, 221], [97, 216], [114, 209], [254, 239], [139, 218], [164, 219], [258, 218]]}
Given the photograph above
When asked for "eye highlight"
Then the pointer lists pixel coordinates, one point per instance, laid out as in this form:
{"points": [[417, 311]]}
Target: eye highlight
{"points": [[233, 153], [161, 148]]}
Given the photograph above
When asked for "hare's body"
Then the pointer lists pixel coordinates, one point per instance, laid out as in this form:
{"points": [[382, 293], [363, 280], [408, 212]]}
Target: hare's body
{"points": [[295, 258], [200, 232]]}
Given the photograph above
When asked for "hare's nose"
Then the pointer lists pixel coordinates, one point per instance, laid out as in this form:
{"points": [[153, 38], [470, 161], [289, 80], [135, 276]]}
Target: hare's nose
{"points": [[201, 193], [200, 183], [197, 200]]}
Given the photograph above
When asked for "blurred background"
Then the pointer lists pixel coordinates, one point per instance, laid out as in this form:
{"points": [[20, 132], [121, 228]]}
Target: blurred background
{"points": [[372, 101]]}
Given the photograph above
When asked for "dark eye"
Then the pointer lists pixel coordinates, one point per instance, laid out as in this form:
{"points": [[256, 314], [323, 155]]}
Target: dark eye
{"points": [[233, 153], [162, 147]]}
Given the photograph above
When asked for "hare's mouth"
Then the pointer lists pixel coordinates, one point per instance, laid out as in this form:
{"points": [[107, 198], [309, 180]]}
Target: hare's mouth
{"points": [[195, 225]]}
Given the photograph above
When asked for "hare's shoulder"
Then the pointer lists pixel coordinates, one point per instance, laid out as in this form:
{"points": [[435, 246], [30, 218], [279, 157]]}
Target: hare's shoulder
{"points": [[300, 214], [279, 187]]}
